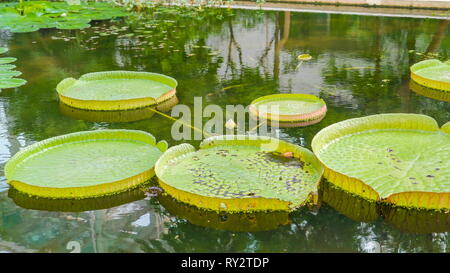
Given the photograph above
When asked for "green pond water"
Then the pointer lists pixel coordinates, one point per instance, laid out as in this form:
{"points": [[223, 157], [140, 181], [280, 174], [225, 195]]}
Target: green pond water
{"points": [[360, 66]]}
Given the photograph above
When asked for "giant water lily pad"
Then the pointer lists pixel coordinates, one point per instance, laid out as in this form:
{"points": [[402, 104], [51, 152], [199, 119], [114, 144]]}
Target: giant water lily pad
{"points": [[432, 74], [403, 159], [429, 92], [7, 73], [289, 110], [116, 90], [85, 164], [237, 222], [240, 173]]}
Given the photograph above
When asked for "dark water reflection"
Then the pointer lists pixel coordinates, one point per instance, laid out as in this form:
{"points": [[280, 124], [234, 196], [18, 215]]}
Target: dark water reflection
{"points": [[359, 66]]}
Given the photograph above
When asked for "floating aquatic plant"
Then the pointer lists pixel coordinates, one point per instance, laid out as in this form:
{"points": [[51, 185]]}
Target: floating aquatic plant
{"points": [[289, 110], [432, 74], [402, 159], [237, 222], [7, 73], [360, 209], [85, 164], [303, 58], [34, 15], [116, 90], [240, 173]]}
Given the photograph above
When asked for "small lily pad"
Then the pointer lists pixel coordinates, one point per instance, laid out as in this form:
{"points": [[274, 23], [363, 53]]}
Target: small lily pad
{"points": [[289, 110], [116, 90]]}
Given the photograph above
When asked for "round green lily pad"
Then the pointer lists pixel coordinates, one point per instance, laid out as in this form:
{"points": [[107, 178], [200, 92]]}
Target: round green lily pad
{"points": [[116, 90], [432, 74], [289, 110], [117, 116], [403, 159], [85, 164], [240, 173]]}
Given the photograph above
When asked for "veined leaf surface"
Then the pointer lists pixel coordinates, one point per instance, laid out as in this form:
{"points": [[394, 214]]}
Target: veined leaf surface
{"points": [[392, 154], [236, 173]]}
